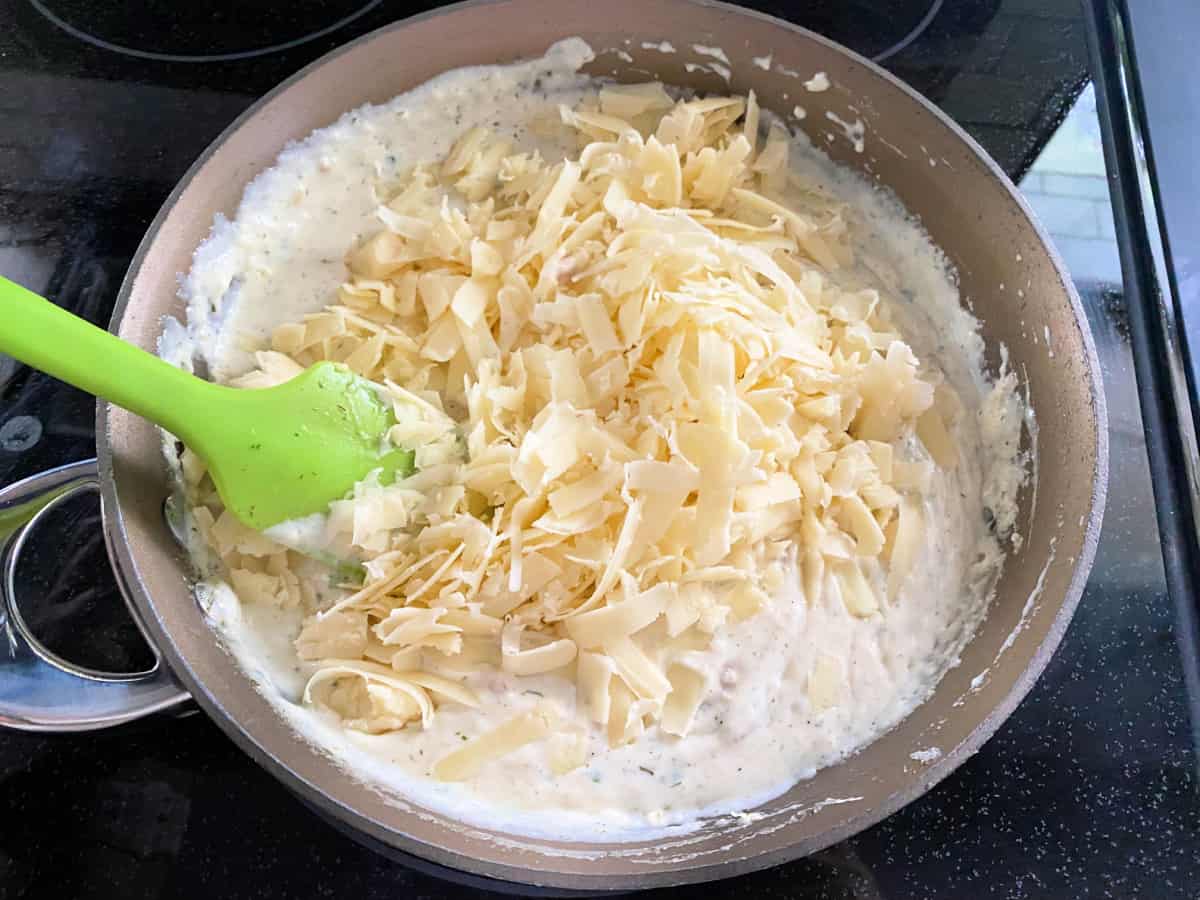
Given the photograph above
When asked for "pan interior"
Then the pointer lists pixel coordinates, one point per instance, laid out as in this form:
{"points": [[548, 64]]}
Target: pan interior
{"points": [[989, 239]]}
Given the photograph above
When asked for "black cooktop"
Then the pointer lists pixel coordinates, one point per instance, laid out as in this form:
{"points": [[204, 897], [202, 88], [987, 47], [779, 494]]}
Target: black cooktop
{"points": [[1090, 788]]}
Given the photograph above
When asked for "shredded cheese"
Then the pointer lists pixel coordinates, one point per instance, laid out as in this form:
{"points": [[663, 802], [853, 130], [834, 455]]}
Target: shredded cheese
{"points": [[637, 387]]}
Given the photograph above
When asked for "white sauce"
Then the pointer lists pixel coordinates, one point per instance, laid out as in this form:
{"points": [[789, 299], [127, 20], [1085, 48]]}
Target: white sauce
{"points": [[756, 735], [716, 68], [714, 52], [899, 153], [855, 132], [818, 83]]}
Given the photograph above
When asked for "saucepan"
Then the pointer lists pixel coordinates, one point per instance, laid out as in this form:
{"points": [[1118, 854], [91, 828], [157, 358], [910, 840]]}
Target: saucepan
{"points": [[1008, 274]]}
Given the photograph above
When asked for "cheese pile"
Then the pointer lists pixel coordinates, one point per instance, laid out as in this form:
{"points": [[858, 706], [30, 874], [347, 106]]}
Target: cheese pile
{"points": [[641, 395]]}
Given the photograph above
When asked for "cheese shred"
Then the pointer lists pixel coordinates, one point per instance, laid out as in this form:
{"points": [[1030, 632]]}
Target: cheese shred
{"points": [[640, 391]]}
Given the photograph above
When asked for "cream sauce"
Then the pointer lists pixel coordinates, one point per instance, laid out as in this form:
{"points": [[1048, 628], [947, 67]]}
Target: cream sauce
{"points": [[756, 734], [818, 83]]}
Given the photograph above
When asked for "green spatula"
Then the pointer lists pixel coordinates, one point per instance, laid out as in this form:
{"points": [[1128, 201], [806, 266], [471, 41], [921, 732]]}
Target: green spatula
{"points": [[275, 454]]}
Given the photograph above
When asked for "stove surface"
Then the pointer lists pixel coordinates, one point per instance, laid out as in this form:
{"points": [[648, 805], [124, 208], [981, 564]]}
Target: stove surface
{"points": [[1090, 788]]}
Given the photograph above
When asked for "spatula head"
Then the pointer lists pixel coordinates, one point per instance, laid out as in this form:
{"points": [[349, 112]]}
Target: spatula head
{"points": [[291, 450]]}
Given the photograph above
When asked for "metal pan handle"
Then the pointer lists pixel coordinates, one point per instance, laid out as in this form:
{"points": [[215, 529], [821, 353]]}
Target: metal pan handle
{"points": [[39, 690]]}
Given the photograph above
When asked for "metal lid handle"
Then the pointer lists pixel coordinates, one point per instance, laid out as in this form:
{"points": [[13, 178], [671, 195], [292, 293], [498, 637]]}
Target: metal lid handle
{"points": [[39, 690]]}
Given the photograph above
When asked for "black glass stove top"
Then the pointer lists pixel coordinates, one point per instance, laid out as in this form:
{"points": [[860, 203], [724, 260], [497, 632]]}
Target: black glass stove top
{"points": [[1089, 789]]}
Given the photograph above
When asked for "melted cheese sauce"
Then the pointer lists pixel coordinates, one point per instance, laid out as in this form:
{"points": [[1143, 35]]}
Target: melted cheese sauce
{"points": [[757, 734]]}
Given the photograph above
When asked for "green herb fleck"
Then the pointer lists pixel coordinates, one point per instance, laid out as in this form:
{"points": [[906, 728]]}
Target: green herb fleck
{"points": [[347, 573]]}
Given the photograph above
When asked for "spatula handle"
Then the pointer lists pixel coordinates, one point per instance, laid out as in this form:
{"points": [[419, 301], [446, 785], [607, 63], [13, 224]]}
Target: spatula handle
{"points": [[47, 337]]}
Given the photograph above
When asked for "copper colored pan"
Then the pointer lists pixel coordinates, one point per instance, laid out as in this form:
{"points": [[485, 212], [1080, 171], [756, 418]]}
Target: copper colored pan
{"points": [[969, 207]]}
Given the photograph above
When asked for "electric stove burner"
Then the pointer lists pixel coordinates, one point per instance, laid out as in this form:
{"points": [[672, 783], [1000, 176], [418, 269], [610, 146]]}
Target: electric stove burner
{"points": [[878, 29], [917, 30], [215, 31]]}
